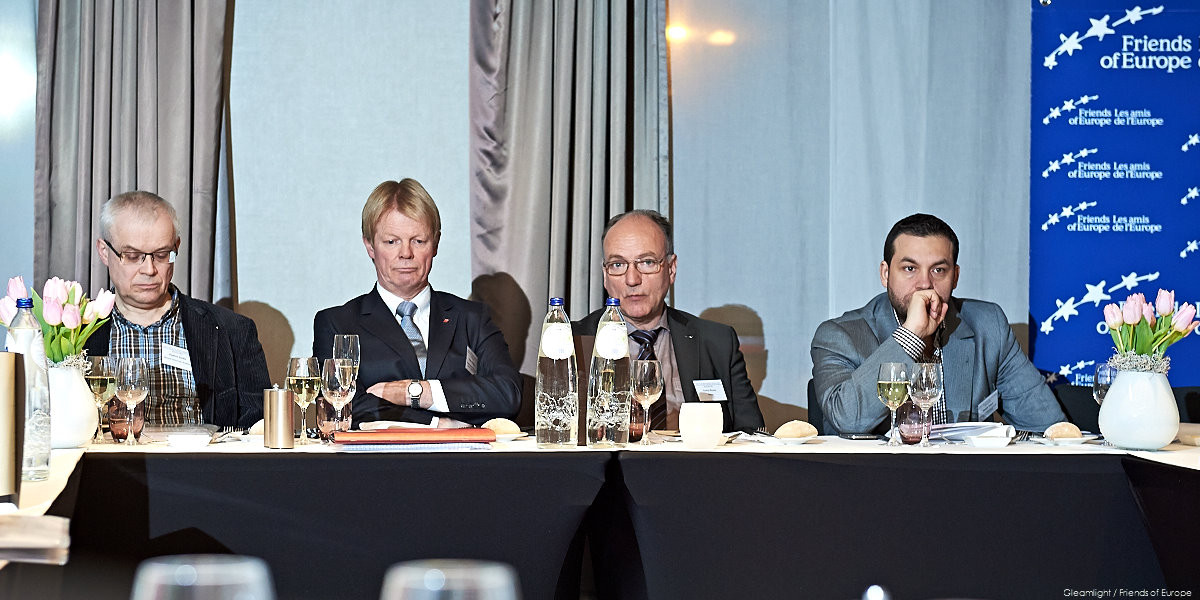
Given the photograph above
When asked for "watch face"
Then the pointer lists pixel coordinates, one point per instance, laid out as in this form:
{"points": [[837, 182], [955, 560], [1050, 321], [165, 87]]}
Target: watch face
{"points": [[414, 389]]}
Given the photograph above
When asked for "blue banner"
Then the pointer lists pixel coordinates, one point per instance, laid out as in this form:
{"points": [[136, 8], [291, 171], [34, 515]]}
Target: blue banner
{"points": [[1114, 174]]}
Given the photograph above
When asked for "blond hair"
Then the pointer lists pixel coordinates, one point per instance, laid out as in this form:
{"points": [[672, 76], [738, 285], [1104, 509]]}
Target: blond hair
{"points": [[407, 197]]}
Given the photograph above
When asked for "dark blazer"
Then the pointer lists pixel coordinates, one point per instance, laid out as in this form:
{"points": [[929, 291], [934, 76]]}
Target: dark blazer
{"points": [[704, 350], [456, 327], [227, 361]]}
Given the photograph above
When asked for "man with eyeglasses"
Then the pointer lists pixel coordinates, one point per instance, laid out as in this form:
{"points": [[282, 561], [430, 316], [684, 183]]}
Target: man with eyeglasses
{"points": [[206, 363], [916, 319], [696, 355]]}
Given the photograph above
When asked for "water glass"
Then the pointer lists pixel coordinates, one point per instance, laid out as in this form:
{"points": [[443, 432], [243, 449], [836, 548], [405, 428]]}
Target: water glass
{"points": [[700, 424], [925, 389], [118, 420], [326, 423], [450, 580], [1101, 382], [203, 577]]}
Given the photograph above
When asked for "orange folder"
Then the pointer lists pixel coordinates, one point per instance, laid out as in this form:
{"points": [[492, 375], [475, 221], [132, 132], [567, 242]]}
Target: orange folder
{"points": [[415, 435]]}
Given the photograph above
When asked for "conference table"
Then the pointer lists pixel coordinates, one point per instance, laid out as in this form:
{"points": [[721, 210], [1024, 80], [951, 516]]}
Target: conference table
{"points": [[824, 519]]}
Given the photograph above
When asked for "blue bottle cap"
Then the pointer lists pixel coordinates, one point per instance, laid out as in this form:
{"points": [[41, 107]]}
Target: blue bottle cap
{"points": [[24, 302], [612, 302], [556, 301]]}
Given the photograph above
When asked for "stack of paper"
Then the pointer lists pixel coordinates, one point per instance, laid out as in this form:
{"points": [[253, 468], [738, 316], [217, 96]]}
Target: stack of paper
{"points": [[34, 539]]}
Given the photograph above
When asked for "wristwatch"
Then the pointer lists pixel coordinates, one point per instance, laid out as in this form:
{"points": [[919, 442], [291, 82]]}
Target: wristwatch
{"points": [[414, 393]]}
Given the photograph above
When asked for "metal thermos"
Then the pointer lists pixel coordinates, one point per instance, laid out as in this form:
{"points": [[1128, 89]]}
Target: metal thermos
{"points": [[277, 418]]}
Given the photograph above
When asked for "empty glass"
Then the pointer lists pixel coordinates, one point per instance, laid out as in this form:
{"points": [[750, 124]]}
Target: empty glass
{"points": [[925, 389], [203, 577], [450, 580], [1103, 379]]}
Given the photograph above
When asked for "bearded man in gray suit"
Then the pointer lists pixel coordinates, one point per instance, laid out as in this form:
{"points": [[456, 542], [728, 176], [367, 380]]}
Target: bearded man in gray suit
{"points": [[917, 320]]}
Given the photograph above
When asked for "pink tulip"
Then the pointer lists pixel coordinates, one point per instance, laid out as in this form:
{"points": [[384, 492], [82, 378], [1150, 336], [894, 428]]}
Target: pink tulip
{"points": [[104, 303], [1132, 311], [1182, 320], [52, 312], [1112, 316], [55, 290], [8, 309], [16, 288], [71, 318], [1148, 313], [1165, 303], [74, 292]]}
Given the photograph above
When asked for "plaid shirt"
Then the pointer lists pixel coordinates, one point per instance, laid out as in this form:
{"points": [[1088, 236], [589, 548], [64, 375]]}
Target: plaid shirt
{"points": [[172, 398]]}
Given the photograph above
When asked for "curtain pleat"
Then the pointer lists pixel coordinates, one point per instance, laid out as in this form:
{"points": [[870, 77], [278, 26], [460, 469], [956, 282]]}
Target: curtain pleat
{"points": [[130, 96]]}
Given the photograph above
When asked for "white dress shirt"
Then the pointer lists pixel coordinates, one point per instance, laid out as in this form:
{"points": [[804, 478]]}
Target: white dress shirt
{"points": [[421, 319]]}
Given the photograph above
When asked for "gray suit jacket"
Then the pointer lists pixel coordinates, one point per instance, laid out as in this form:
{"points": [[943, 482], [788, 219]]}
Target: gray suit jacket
{"points": [[979, 353]]}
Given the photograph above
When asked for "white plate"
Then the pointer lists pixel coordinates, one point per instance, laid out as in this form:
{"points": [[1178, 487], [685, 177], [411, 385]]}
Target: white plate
{"points": [[508, 437], [796, 441], [1067, 441], [983, 441]]}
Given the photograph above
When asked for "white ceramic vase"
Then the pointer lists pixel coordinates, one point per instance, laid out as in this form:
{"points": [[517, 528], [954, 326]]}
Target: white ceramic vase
{"points": [[1139, 411], [72, 409]]}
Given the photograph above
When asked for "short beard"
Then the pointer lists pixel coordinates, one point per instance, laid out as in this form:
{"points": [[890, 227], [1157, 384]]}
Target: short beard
{"points": [[900, 308]]}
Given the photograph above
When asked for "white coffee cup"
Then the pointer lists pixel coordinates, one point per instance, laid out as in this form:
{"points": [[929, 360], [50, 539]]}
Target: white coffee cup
{"points": [[700, 425]]}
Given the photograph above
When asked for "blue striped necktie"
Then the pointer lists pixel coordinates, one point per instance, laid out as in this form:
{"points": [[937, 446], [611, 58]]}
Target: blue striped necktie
{"points": [[406, 311], [657, 418]]}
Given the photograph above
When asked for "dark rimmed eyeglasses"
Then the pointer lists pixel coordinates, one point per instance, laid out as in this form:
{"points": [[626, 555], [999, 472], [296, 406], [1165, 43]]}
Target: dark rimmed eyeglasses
{"points": [[645, 266], [133, 257]]}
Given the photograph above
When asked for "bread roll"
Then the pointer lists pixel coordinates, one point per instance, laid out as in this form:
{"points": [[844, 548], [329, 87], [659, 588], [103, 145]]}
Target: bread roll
{"points": [[795, 429], [1062, 430], [502, 426]]}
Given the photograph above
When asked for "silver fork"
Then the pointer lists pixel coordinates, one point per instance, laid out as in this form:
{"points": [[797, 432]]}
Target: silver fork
{"points": [[1022, 436]]}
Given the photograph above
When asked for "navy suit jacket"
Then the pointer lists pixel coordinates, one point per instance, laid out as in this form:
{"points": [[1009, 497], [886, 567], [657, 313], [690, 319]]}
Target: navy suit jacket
{"points": [[457, 328], [704, 350], [227, 361]]}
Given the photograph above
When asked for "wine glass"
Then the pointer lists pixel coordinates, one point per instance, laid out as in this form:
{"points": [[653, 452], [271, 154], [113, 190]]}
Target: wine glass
{"points": [[1104, 378], [345, 345], [101, 378], [893, 391], [337, 379], [925, 389], [133, 385], [304, 380], [647, 387], [448, 579], [203, 577]]}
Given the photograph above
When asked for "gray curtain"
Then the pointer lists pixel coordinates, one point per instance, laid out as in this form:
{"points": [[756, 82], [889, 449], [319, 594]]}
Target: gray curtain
{"points": [[129, 97], [568, 127]]}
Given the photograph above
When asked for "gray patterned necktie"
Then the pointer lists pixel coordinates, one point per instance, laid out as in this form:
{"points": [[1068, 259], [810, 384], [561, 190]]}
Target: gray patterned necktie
{"points": [[406, 311]]}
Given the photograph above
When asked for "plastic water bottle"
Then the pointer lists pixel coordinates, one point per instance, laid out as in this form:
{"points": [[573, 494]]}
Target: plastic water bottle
{"points": [[609, 384], [556, 394], [25, 337]]}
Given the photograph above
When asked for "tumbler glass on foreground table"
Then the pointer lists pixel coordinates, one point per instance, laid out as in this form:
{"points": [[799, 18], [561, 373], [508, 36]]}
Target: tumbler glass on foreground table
{"points": [[326, 414], [119, 421], [203, 577], [450, 580]]}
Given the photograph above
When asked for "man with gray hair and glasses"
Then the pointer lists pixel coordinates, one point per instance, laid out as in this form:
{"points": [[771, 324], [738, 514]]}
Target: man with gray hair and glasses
{"points": [[696, 355], [206, 363]]}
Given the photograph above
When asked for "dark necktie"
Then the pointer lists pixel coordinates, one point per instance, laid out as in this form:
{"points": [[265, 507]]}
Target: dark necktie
{"points": [[645, 339], [406, 311]]}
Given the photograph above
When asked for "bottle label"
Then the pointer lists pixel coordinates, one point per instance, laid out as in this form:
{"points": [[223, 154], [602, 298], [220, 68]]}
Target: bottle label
{"points": [[612, 341], [557, 342]]}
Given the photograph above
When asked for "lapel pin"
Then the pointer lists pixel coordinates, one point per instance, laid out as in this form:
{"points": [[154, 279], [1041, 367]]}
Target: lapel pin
{"points": [[445, 320]]}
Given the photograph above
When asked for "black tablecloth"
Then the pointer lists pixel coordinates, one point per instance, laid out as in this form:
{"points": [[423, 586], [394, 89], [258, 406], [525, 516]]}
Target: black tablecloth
{"points": [[829, 525], [328, 525]]}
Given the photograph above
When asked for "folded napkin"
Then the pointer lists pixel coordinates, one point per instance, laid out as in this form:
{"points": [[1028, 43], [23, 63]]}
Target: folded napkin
{"points": [[959, 431], [415, 436]]}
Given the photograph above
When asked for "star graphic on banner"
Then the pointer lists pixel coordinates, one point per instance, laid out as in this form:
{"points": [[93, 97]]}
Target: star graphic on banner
{"points": [[1047, 326], [1132, 16], [1070, 44], [1064, 370], [1095, 293], [1192, 194], [1085, 152], [1051, 378], [1068, 158], [1067, 211], [1099, 29], [1079, 366], [1129, 281], [1053, 166], [1084, 99], [1049, 62], [1052, 218], [1193, 140], [1065, 309], [1083, 206], [1192, 246], [1068, 104]]}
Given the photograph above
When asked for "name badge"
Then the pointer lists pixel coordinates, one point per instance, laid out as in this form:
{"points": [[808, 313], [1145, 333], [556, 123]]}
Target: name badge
{"points": [[174, 356], [989, 405], [710, 390]]}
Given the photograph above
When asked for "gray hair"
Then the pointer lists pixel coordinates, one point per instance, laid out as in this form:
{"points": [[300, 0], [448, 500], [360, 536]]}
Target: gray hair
{"points": [[654, 216], [142, 203]]}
